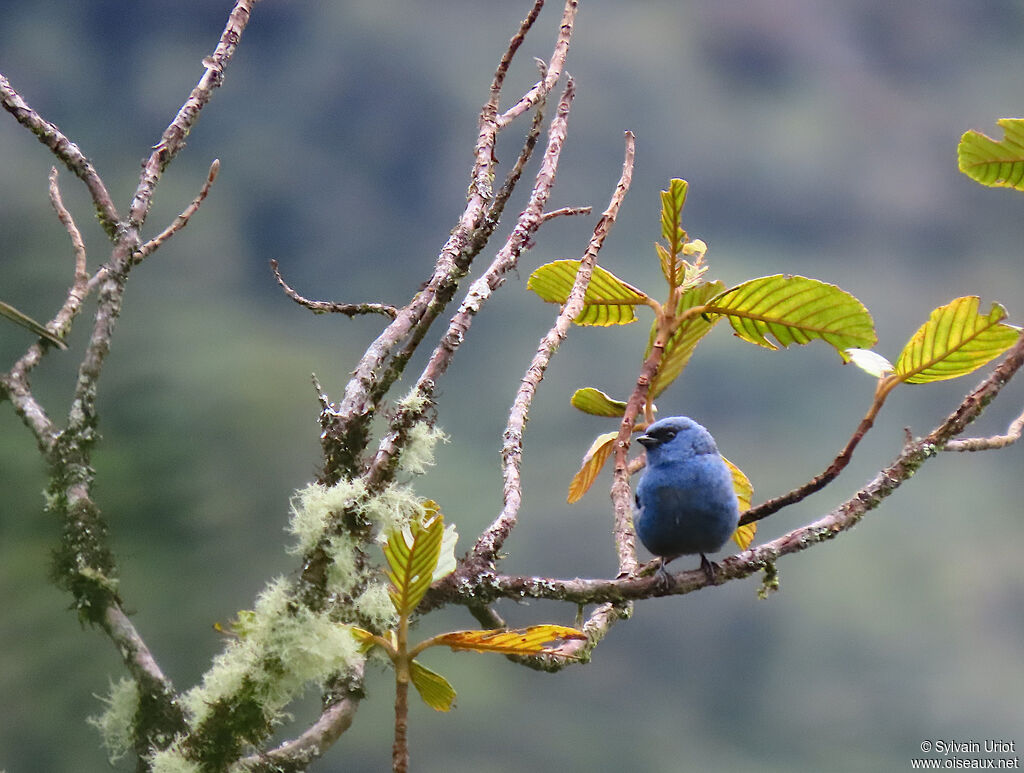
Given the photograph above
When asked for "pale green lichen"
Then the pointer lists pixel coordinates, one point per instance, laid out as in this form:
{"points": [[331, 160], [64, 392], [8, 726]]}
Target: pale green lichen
{"points": [[117, 720], [313, 506], [286, 648], [342, 571], [102, 580], [172, 760], [375, 605], [418, 453], [392, 508], [414, 401]]}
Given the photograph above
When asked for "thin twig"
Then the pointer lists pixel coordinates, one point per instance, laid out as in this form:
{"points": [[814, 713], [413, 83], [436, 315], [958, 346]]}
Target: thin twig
{"points": [[181, 220], [328, 307], [565, 212], [1012, 435], [67, 151], [481, 290], [510, 51], [554, 69], [820, 480], [492, 539], [79, 287], [346, 426]]}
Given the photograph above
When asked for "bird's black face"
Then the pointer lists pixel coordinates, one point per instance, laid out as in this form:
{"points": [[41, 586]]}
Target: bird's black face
{"points": [[676, 435], [657, 435]]}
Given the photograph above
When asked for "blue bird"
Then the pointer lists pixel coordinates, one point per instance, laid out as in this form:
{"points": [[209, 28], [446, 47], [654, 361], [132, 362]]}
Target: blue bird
{"points": [[685, 501]]}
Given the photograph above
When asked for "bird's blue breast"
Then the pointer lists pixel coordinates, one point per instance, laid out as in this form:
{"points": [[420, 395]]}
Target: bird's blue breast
{"points": [[686, 506]]}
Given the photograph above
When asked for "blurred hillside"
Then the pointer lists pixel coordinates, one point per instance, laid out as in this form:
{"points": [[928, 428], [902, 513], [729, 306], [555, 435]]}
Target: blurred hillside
{"points": [[818, 138]]}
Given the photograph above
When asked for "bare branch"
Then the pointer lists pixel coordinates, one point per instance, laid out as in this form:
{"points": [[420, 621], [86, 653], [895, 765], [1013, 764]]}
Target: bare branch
{"points": [[14, 386], [327, 307], [67, 151], [173, 138], [1012, 435], [565, 212], [554, 69], [823, 478], [490, 542], [481, 290], [346, 426], [79, 287], [181, 220], [510, 52]]}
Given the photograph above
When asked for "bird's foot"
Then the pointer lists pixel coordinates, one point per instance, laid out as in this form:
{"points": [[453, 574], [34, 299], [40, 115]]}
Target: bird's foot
{"points": [[711, 569], [663, 579]]}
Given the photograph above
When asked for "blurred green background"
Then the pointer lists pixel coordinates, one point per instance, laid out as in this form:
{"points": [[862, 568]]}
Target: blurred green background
{"points": [[818, 138]]}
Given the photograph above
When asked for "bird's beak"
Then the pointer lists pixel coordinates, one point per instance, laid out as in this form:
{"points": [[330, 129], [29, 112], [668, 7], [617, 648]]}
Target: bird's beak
{"points": [[647, 441]]}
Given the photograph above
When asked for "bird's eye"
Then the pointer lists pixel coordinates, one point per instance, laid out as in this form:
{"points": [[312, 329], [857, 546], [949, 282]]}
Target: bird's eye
{"points": [[666, 435]]}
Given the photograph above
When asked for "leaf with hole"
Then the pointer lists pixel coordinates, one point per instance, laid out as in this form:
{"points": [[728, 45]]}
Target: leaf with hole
{"points": [[995, 163], [608, 300], [955, 341]]}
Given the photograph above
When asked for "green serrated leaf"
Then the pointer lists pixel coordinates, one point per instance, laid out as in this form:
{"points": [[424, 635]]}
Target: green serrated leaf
{"points": [[434, 689], [412, 555], [955, 341], [608, 300], [680, 346], [597, 403], [991, 162], [672, 202], [28, 323], [795, 310]]}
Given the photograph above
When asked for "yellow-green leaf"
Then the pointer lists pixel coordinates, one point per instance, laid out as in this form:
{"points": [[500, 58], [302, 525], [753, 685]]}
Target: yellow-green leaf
{"points": [[28, 323], [597, 403], [681, 344], [434, 689], [535, 640], [743, 535], [412, 554], [673, 201], [954, 341], [593, 461], [995, 163], [795, 310], [608, 300]]}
